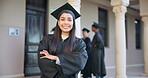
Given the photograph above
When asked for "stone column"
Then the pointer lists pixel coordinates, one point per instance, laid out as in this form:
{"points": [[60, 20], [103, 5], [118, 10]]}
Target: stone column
{"points": [[76, 5], [145, 44], [144, 15], [120, 9]]}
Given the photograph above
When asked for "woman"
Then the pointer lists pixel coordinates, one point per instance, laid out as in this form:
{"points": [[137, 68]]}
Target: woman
{"points": [[62, 55], [87, 69]]}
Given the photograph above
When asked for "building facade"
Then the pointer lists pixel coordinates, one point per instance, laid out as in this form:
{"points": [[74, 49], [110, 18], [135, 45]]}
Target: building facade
{"points": [[124, 29]]}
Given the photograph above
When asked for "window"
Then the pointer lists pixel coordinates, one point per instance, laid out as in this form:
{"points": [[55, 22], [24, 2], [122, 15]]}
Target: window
{"points": [[103, 22], [138, 33]]}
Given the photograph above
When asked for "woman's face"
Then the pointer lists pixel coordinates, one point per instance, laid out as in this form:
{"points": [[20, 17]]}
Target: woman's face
{"points": [[85, 34], [65, 22]]}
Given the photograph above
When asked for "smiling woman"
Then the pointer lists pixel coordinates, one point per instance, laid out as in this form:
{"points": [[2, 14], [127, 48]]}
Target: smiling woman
{"points": [[65, 23], [62, 55]]}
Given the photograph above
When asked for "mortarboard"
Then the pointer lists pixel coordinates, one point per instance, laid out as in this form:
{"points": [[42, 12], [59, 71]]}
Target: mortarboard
{"points": [[95, 25], [85, 29], [66, 6]]}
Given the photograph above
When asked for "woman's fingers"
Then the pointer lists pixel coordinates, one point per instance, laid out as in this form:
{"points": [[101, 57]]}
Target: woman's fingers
{"points": [[43, 57], [47, 55], [45, 51], [42, 52]]}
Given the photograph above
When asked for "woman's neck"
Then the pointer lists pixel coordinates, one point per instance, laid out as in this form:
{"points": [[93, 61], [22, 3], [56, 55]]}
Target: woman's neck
{"points": [[65, 33], [84, 37]]}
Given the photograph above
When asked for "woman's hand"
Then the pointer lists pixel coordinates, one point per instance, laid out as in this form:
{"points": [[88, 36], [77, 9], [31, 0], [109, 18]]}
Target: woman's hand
{"points": [[47, 55]]}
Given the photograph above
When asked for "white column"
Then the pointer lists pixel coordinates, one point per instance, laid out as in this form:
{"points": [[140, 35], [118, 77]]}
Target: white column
{"points": [[120, 9], [76, 5], [144, 15], [145, 43]]}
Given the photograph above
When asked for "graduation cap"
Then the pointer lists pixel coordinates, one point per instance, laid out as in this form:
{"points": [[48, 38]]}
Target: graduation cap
{"points": [[68, 7], [95, 25], [85, 29]]}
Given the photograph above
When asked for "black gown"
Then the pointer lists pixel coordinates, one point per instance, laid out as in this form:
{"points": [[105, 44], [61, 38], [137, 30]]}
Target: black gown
{"points": [[88, 68], [97, 52], [70, 63]]}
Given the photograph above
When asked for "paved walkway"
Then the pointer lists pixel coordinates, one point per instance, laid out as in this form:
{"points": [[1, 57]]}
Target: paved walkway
{"points": [[132, 72]]}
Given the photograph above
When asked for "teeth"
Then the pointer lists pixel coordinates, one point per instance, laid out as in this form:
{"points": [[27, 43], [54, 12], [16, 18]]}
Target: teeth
{"points": [[66, 27]]}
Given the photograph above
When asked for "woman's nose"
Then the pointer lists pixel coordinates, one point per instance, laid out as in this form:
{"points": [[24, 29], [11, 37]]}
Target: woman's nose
{"points": [[66, 21]]}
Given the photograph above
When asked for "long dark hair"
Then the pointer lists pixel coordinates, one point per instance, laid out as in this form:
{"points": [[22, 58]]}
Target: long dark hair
{"points": [[57, 36]]}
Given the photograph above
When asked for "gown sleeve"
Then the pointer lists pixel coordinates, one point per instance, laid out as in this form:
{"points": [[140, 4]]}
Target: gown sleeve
{"points": [[100, 42], [74, 61], [88, 42], [43, 44], [46, 66]]}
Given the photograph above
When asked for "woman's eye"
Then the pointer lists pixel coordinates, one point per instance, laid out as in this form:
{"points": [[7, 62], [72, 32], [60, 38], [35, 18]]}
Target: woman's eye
{"points": [[62, 19], [69, 20]]}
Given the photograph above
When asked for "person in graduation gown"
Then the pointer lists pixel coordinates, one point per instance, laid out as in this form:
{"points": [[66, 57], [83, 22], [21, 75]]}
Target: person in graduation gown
{"points": [[62, 55], [98, 64], [87, 69]]}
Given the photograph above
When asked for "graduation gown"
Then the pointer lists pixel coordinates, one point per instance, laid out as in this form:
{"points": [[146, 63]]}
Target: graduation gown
{"points": [[70, 63], [98, 64], [88, 68]]}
